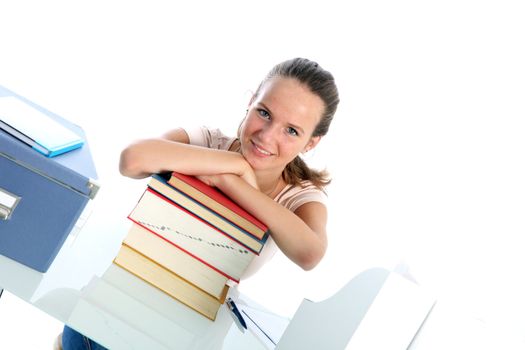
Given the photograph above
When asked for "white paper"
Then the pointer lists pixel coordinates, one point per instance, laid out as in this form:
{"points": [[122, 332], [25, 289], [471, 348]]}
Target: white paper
{"points": [[268, 327], [34, 124]]}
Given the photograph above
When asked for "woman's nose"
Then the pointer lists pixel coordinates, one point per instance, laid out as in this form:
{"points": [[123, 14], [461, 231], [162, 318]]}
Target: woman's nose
{"points": [[268, 132]]}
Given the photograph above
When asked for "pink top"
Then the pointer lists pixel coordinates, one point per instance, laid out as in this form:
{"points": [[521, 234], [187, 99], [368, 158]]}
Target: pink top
{"points": [[291, 197]]}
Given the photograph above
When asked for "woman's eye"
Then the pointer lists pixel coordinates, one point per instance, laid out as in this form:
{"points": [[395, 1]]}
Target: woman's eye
{"points": [[292, 131], [263, 113]]}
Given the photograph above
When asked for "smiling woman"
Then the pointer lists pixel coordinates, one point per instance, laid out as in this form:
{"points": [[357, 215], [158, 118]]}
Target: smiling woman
{"points": [[426, 151], [279, 125], [288, 114], [261, 168]]}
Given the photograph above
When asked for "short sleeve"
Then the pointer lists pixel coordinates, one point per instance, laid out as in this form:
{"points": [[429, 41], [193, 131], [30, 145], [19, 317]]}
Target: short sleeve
{"points": [[210, 138], [295, 196]]}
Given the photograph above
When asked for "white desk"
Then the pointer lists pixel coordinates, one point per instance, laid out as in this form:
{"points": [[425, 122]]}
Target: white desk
{"points": [[77, 290]]}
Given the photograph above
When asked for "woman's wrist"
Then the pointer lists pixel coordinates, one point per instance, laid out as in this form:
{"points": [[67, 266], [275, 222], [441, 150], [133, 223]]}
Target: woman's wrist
{"points": [[228, 181], [242, 165]]}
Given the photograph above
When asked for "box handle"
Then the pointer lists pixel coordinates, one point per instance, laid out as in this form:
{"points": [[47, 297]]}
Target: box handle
{"points": [[8, 203]]}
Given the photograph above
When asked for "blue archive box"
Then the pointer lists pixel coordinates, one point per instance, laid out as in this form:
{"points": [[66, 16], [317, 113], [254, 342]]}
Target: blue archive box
{"points": [[41, 198]]}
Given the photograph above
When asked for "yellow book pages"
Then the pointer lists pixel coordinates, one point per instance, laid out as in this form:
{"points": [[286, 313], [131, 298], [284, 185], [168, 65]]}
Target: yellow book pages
{"points": [[165, 280], [224, 293], [174, 259]]}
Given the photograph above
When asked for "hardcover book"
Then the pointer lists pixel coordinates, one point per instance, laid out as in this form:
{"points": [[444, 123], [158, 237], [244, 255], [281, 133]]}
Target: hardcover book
{"points": [[202, 210], [191, 234], [167, 281], [176, 260], [219, 203]]}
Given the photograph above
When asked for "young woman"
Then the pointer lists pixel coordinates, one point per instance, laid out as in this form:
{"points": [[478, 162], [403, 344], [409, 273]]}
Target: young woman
{"points": [[261, 168]]}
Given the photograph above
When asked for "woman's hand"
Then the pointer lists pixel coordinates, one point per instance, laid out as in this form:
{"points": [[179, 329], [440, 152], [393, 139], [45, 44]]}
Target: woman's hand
{"points": [[219, 180], [249, 176], [216, 180], [210, 180]]}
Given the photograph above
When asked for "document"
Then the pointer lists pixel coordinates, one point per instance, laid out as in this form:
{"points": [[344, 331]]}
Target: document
{"points": [[267, 326], [38, 130]]}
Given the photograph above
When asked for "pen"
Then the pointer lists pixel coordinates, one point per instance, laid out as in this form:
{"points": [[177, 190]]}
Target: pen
{"points": [[233, 308]]}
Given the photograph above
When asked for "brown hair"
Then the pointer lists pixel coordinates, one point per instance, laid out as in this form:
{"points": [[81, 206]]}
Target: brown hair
{"points": [[320, 82]]}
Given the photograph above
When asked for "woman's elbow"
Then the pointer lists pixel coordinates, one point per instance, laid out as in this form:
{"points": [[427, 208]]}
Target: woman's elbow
{"points": [[309, 260], [129, 164]]}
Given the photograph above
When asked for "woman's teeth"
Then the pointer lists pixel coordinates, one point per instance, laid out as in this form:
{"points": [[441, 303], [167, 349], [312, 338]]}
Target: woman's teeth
{"points": [[262, 150]]}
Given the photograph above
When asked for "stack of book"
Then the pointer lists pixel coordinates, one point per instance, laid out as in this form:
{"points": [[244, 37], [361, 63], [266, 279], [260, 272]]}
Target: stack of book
{"points": [[189, 240]]}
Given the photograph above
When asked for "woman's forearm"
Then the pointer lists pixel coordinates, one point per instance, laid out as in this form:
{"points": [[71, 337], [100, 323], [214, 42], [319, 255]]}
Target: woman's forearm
{"points": [[151, 156], [301, 239], [301, 236]]}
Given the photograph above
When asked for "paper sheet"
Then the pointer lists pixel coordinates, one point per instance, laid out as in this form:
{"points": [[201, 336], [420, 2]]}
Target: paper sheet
{"points": [[268, 327]]}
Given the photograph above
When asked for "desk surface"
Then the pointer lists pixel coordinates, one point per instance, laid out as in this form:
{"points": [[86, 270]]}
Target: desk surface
{"points": [[79, 290]]}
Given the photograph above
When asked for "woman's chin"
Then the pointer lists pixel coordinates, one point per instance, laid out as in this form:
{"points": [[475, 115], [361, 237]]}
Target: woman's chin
{"points": [[257, 164]]}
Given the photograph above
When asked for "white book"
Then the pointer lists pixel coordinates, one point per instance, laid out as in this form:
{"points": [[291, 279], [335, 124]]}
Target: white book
{"points": [[109, 315], [123, 312], [33, 127], [189, 233]]}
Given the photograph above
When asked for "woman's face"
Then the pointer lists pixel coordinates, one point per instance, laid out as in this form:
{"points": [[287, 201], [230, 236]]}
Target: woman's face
{"points": [[279, 124]]}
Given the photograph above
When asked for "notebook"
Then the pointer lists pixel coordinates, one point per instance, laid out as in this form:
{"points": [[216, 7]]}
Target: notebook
{"points": [[43, 133]]}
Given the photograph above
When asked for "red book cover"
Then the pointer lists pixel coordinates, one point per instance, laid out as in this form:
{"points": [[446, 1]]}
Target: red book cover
{"points": [[219, 197]]}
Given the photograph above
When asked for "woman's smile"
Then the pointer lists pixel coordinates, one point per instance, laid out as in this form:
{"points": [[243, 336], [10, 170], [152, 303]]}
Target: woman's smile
{"points": [[260, 151]]}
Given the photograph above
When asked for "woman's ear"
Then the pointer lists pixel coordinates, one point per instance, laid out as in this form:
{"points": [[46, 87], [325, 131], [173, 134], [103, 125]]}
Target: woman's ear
{"points": [[314, 140]]}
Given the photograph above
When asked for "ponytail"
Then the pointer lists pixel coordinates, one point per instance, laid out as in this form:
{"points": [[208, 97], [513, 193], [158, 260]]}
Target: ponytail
{"points": [[297, 171]]}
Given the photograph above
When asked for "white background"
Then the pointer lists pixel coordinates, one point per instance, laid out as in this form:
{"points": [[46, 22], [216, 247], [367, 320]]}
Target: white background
{"points": [[426, 151]]}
